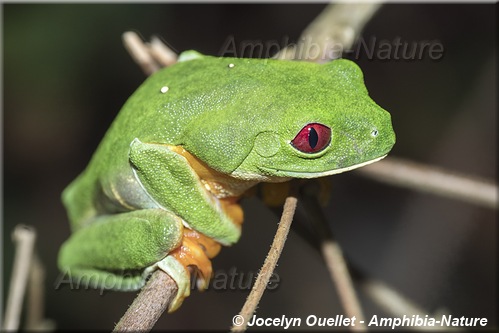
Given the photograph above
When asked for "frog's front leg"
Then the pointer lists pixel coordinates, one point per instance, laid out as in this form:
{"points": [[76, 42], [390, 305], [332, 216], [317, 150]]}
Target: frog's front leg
{"points": [[173, 184], [119, 251]]}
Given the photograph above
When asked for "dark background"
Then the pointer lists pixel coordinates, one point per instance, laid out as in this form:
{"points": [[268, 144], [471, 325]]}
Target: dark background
{"points": [[66, 75]]}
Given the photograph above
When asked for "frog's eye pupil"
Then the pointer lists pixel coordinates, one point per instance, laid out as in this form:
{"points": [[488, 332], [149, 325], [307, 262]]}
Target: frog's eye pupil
{"points": [[312, 138]]}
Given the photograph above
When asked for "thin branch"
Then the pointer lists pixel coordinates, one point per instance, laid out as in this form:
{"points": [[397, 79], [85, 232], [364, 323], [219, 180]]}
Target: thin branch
{"points": [[333, 256], [140, 52], [149, 305], [35, 312], [36, 296], [149, 56], [24, 237], [425, 178], [386, 297], [161, 52], [240, 322], [397, 305], [333, 31], [160, 290]]}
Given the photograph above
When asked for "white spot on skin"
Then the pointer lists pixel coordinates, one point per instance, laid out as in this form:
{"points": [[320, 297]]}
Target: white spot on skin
{"points": [[231, 65], [164, 89]]}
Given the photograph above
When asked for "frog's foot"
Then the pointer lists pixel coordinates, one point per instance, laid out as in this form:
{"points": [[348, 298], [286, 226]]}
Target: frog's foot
{"points": [[195, 252], [180, 275]]}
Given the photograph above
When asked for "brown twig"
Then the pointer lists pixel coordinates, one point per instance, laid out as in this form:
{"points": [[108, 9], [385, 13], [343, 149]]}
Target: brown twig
{"points": [[240, 322], [333, 31], [388, 298], [160, 290], [139, 52], [398, 305], [434, 180], [149, 304], [333, 256], [35, 312], [163, 54], [149, 56]]}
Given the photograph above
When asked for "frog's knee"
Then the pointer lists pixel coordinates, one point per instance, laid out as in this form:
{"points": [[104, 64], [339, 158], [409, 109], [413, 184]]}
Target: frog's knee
{"points": [[164, 229]]}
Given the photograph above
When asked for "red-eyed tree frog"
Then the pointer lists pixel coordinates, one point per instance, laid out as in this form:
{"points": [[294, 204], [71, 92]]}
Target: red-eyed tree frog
{"points": [[162, 189]]}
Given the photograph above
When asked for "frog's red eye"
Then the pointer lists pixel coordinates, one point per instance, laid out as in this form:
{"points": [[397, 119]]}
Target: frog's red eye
{"points": [[312, 138]]}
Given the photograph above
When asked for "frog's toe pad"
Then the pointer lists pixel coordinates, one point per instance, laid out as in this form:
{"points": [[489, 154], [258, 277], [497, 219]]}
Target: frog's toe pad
{"points": [[180, 275]]}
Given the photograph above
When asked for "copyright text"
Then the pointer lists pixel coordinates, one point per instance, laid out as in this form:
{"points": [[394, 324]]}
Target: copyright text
{"points": [[375, 321]]}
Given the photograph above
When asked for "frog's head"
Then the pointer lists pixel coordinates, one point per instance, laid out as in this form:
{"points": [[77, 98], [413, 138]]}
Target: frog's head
{"points": [[296, 120]]}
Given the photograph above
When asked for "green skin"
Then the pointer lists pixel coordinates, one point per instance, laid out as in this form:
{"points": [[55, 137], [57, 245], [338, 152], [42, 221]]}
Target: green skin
{"points": [[238, 116]]}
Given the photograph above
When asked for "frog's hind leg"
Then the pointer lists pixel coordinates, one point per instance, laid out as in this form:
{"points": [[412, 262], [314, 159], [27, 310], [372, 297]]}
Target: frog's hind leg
{"points": [[119, 251]]}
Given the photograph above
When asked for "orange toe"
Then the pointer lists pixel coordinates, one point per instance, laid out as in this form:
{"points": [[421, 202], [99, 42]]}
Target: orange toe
{"points": [[196, 251]]}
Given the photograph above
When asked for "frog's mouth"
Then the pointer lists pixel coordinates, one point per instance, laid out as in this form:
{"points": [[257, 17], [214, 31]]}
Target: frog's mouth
{"points": [[298, 174]]}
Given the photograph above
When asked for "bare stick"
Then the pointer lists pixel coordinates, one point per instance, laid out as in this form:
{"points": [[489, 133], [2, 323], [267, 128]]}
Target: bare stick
{"points": [[24, 237], [35, 295], [397, 305], [434, 180], [161, 52], [160, 290], [333, 256], [35, 313], [149, 56], [389, 299], [240, 322], [139, 52], [149, 305], [333, 31]]}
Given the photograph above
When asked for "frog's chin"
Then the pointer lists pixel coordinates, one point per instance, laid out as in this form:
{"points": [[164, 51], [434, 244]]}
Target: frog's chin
{"points": [[277, 175]]}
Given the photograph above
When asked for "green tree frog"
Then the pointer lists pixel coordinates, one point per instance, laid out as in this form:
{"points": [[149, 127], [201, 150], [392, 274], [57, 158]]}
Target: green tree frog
{"points": [[162, 189]]}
